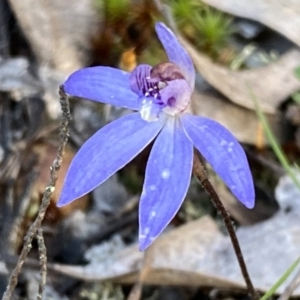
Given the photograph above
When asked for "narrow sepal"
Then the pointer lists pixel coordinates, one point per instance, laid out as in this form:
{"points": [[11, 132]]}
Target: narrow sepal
{"points": [[224, 153], [176, 53], [107, 151], [168, 175]]}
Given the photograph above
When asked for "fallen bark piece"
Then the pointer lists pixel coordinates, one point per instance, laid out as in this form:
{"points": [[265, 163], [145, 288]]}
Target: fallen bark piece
{"points": [[271, 85], [16, 79], [177, 258], [234, 117], [197, 254], [59, 31]]}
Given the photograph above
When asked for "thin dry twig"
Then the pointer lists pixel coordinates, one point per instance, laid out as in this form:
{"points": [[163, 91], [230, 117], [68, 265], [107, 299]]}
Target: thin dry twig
{"points": [[32, 231], [199, 172], [136, 291], [43, 263]]}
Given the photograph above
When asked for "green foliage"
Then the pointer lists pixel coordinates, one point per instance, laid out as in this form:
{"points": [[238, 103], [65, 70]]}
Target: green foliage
{"points": [[214, 28], [209, 28], [273, 142], [297, 73], [296, 97], [114, 9], [185, 10], [153, 55], [281, 280]]}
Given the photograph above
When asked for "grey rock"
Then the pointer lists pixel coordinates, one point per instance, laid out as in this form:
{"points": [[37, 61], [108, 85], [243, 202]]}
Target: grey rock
{"points": [[16, 79]]}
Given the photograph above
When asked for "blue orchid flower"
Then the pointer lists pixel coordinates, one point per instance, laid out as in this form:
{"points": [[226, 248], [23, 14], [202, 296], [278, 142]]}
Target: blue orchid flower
{"points": [[161, 96]]}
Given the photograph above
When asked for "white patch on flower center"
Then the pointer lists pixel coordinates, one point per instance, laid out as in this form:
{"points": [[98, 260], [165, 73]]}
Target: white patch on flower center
{"points": [[165, 174], [148, 112]]}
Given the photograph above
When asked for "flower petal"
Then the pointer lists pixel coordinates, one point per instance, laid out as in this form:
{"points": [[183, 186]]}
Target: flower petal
{"points": [[168, 175], [107, 151], [102, 84], [224, 153], [176, 95], [176, 53], [138, 79]]}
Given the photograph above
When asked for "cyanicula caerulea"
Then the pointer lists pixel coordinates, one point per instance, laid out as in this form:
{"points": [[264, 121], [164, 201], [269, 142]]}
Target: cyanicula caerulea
{"points": [[161, 96]]}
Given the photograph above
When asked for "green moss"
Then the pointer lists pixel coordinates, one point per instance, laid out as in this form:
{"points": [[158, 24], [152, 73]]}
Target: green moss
{"points": [[215, 30], [184, 11], [207, 27]]}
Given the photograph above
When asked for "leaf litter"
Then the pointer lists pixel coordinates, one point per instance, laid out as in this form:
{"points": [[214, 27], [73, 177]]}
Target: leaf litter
{"points": [[193, 254]]}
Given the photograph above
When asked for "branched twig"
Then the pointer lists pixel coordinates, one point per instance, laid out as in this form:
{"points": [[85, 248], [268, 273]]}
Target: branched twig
{"points": [[32, 231], [200, 173], [43, 263]]}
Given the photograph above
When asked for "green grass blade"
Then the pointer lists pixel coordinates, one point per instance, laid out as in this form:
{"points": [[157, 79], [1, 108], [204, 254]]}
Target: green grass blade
{"points": [[281, 280], [273, 142], [297, 72]]}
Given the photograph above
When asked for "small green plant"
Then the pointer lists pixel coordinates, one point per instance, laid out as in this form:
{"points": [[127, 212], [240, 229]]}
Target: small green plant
{"points": [[215, 29], [209, 28], [114, 9], [296, 95], [281, 280], [184, 11]]}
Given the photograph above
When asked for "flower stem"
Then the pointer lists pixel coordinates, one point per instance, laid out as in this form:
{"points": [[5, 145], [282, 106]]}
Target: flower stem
{"points": [[199, 172]]}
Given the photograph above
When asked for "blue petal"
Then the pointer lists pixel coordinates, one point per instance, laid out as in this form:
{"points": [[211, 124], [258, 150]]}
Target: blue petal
{"points": [[102, 84], [168, 175], [176, 53], [107, 151], [224, 153]]}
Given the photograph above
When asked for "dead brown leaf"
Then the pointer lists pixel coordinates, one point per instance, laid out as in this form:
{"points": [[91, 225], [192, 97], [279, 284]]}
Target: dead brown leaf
{"points": [[280, 15], [59, 36], [197, 254], [271, 84], [194, 241], [46, 153], [242, 122]]}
